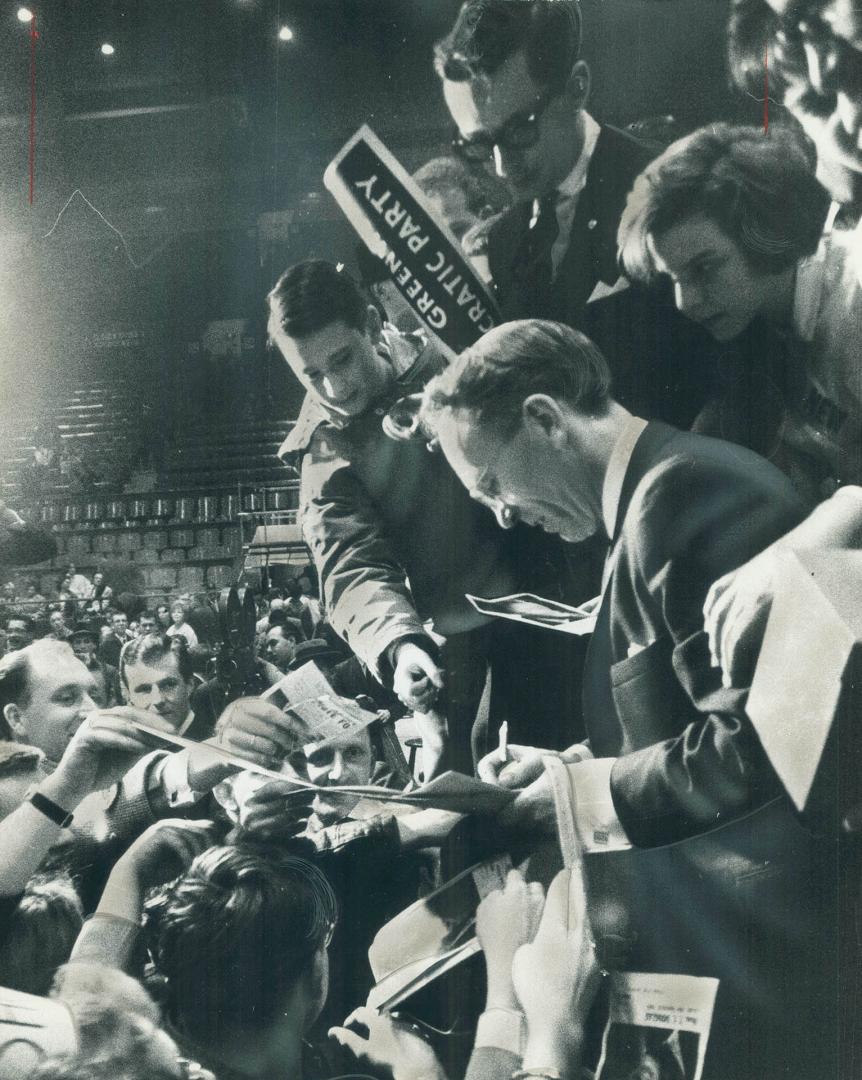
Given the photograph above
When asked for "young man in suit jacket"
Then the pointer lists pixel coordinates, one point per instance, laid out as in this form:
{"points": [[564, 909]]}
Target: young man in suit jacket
{"points": [[516, 87], [725, 882]]}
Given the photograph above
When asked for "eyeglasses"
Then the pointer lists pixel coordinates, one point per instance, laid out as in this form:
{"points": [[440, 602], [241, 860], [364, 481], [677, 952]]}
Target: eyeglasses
{"points": [[520, 132]]}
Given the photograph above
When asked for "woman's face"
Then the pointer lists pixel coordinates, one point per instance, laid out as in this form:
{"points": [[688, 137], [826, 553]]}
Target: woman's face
{"points": [[713, 282], [179, 616]]}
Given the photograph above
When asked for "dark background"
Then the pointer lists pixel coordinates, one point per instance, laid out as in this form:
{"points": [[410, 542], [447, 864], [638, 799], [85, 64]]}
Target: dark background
{"points": [[203, 121]]}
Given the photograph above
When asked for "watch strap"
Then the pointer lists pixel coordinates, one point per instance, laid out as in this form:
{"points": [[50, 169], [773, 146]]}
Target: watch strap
{"points": [[50, 809]]}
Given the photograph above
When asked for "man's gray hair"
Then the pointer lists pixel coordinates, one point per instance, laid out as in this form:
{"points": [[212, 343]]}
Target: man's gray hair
{"points": [[493, 378]]}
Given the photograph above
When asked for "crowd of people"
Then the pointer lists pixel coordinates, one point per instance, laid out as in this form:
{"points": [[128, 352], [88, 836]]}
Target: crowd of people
{"points": [[670, 409]]}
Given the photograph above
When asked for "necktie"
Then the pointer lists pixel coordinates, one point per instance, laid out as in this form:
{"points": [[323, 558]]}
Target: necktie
{"points": [[532, 267]]}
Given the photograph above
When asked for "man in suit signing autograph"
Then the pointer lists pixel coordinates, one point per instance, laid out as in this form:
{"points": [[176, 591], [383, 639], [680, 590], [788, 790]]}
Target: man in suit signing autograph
{"points": [[702, 853]]}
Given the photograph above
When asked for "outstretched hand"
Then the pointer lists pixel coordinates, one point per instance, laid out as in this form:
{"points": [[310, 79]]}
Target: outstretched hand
{"points": [[388, 1045]]}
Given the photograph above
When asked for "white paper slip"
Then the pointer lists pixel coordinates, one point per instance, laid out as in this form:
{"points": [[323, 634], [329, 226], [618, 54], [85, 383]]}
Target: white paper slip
{"points": [[658, 1025], [300, 685], [535, 610]]}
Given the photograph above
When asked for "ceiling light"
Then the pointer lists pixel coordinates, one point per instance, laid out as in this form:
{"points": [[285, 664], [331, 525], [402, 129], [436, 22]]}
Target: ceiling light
{"points": [[107, 49], [25, 15], [285, 34]]}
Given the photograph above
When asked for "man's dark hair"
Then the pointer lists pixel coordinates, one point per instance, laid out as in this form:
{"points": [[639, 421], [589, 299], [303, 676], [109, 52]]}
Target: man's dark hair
{"points": [[152, 649], [148, 614], [21, 617], [493, 378], [312, 295], [487, 32], [232, 937], [760, 190], [290, 627]]}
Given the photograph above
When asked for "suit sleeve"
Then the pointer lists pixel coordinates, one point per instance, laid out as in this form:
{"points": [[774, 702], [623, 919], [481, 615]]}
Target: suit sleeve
{"points": [[693, 523], [365, 589]]}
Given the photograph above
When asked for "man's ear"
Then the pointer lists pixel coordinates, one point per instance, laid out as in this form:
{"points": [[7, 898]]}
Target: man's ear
{"points": [[373, 323], [542, 415], [579, 83], [12, 716]]}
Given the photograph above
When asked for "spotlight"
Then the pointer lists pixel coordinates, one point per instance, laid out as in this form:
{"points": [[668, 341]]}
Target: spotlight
{"points": [[107, 49], [25, 15], [285, 34]]}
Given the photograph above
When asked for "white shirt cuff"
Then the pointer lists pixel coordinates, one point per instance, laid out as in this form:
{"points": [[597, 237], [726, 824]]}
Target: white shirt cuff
{"points": [[175, 780], [595, 817], [503, 1029]]}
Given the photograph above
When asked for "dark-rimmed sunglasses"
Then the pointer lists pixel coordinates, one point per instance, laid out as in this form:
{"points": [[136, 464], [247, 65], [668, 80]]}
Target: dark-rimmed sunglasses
{"points": [[520, 132]]}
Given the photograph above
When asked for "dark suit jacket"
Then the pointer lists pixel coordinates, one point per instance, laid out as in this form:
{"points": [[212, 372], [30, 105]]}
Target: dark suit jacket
{"points": [[731, 886], [663, 365], [592, 252]]}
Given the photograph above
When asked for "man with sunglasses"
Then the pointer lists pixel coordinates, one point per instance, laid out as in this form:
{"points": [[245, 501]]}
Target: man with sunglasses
{"points": [[516, 86]]}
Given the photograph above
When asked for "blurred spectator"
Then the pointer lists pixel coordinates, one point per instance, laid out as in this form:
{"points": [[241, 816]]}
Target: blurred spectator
{"points": [[106, 679], [148, 623], [814, 56], [99, 590], [180, 626], [59, 630], [282, 638], [19, 632], [39, 934], [80, 586], [163, 614], [113, 642], [298, 607]]}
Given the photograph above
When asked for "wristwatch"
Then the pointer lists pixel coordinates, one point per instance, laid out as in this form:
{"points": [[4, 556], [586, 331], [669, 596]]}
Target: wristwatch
{"points": [[50, 809]]}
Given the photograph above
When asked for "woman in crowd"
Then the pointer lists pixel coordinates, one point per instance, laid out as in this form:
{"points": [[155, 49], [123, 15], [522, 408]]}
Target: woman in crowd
{"points": [[735, 219]]}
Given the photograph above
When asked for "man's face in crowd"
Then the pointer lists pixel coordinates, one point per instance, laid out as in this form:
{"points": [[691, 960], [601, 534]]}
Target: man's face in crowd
{"points": [[714, 284], [57, 621], [17, 635], [85, 650], [120, 623], [60, 689], [148, 626], [98, 578], [339, 365], [450, 206], [819, 53], [524, 478], [335, 763], [280, 648], [9, 589], [160, 688], [504, 103]]}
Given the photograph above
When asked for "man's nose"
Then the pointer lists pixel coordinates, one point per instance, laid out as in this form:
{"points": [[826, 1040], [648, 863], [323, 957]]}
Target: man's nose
{"points": [[336, 769], [335, 389], [88, 705]]}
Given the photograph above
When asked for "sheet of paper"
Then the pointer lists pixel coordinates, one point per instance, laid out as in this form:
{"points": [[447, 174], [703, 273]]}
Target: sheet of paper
{"points": [[534, 610], [658, 1025], [300, 685], [329, 716]]}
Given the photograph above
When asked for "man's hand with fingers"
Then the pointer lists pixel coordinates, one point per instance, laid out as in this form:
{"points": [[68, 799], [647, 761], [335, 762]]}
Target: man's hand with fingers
{"points": [[388, 1044]]}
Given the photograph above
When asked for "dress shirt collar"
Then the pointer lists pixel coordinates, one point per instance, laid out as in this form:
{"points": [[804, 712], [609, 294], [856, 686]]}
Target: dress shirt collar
{"points": [[618, 464], [574, 183]]}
